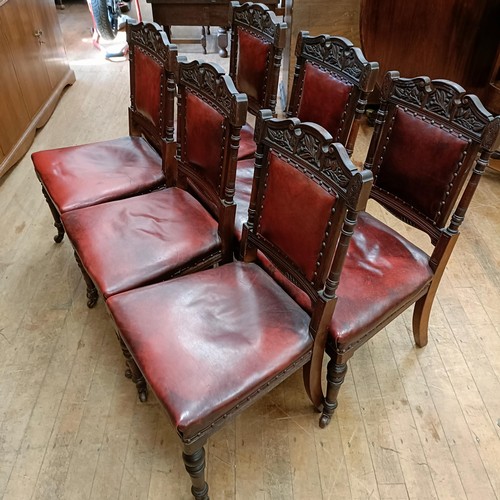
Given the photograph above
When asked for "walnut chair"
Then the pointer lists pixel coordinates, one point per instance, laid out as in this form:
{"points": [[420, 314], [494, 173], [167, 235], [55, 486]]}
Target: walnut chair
{"points": [[431, 144], [128, 243], [85, 175], [257, 42], [331, 85], [211, 343]]}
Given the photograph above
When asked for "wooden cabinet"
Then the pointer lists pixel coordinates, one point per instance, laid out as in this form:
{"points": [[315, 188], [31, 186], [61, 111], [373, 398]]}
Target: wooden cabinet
{"points": [[454, 39], [33, 73]]}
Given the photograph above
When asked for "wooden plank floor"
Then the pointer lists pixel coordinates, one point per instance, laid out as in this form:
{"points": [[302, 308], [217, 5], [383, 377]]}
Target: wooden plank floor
{"points": [[412, 423]]}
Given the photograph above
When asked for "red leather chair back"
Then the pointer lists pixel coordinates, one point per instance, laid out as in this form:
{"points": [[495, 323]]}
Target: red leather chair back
{"points": [[210, 115], [423, 153], [257, 43], [324, 99], [204, 140], [331, 84], [252, 65], [148, 81], [153, 65], [306, 193]]}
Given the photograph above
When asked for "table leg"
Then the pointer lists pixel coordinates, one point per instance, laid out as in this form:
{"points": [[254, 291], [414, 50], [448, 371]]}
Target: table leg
{"points": [[168, 31], [204, 39], [222, 41]]}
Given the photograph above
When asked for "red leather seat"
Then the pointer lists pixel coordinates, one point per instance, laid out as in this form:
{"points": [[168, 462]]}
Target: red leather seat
{"points": [[372, 284], [204, 350], [84, 175], [125, 244]]}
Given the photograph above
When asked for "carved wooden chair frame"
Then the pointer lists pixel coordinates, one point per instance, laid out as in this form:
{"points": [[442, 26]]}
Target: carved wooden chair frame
{"points": [[309, 149], [219, 91], [152, 41]]}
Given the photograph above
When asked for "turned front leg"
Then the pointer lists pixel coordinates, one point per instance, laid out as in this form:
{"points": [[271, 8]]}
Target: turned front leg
{"points": [[55, 215], [335, 378], [195, 466], [133, 372]]}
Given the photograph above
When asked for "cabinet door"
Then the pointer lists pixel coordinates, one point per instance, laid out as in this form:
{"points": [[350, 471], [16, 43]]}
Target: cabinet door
{"points": [[52, 51], [26, 49], [14, 117]]}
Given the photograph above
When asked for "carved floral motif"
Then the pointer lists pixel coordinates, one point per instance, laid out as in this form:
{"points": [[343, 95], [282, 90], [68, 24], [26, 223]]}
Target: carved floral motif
{"points": [[334, 171], [409, 93], [281, 137], [440, 102], [151, 39], [256, 18], [318, 162], [206, 81], [466, 117], [336, 55]]}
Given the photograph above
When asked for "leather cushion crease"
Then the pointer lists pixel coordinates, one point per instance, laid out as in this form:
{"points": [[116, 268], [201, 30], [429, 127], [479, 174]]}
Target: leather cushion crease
{"points": [[128, 243]]}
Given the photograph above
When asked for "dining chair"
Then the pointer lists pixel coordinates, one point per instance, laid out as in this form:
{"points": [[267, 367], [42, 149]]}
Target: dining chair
{"points": [[124, 244], [331, 85], [256, 47], [431, 144], [85, 175], [211, 343]]}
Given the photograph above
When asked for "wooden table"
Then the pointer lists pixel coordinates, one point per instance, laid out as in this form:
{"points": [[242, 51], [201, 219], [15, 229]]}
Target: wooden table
{"points": [[197, 13]]}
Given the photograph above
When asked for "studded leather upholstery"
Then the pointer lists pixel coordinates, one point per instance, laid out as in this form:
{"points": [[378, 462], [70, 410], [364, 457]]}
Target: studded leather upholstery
{"points": [[253, 57], [419, 163], [323, 99]]}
